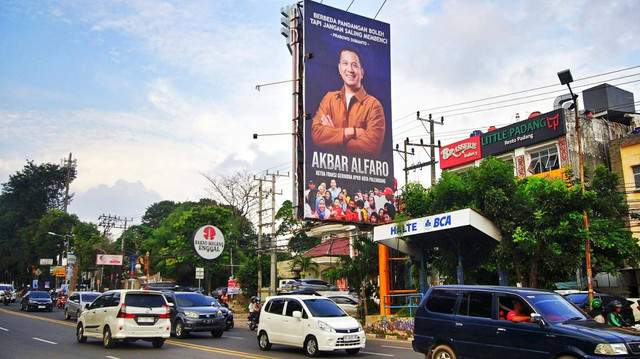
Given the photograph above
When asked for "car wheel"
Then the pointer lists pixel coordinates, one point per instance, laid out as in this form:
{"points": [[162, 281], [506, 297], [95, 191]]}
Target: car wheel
{"points": [[263, 341], [443, 352], [80, 333], [353, 351], [157, 342], [180, 332], [217, 333], [311, 347], [107, 340], [66, 315], [51, 309]]}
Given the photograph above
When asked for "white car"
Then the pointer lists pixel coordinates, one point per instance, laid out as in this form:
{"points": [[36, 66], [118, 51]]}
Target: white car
{"points": [[348, 303], [76, 303], [126, 315], [313, 323]]}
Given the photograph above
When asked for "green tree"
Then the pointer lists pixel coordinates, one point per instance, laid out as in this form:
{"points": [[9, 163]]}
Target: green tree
{"points": [[25, 198], [304, 264]]}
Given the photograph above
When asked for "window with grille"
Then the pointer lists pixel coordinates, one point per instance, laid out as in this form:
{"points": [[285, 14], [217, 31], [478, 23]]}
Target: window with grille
{"points": [[544, 160], [636, 175]]}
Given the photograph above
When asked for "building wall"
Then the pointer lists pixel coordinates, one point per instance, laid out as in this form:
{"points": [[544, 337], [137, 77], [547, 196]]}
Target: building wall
{"points": [[624, 154]]}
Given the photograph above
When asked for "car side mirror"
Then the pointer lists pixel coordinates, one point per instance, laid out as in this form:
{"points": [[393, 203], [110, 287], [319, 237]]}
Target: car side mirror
{"points": [[86, 306], [171, 305], [536, 318], [297, 314]]}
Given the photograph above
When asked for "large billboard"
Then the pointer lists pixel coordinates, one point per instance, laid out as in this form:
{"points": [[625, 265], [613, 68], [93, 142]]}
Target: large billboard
{"points": [[348, 151]]}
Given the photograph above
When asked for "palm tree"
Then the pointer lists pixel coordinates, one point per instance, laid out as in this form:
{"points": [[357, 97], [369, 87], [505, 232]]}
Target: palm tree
{"points": [[304, 264]]}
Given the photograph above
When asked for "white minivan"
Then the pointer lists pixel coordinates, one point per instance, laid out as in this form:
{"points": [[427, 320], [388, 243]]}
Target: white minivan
{"points": [[313, 323]]}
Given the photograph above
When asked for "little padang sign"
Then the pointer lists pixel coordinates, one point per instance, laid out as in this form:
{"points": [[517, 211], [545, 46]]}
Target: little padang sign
{"points": [[208, 242]]}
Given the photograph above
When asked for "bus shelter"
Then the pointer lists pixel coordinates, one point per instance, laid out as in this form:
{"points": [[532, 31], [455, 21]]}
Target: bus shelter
{"points": [[413, 236]]}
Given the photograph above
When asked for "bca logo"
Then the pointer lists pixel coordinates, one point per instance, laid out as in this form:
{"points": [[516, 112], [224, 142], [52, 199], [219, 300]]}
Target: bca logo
{"points": [[438, 222]]}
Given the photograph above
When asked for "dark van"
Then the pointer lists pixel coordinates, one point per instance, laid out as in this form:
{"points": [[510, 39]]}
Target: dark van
{"points": [[481, 322]]}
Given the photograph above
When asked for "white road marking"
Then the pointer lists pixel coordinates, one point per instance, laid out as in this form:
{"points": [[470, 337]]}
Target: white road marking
{"points": [[44, 341], [110, 357], [392, 347], [226, 336], [5, 329], [380, 354]]}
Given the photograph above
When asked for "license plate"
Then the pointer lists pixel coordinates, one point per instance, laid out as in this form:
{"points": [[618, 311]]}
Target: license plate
{"points": [[350, 337], [42, 306], [145, 319]]}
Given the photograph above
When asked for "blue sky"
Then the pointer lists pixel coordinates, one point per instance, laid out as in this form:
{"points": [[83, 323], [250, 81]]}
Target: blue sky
{"points": [[149, 95]]}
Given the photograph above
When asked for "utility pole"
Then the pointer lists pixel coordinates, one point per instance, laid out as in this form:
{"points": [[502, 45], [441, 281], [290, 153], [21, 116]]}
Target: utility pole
{"points": [[69, 164], [259, 197], [274, 244], [413, 152], [109, 222], [432, 162]]}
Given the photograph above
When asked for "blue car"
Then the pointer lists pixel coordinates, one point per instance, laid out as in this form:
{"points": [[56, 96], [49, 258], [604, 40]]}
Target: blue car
{"points": [[507, 322]]}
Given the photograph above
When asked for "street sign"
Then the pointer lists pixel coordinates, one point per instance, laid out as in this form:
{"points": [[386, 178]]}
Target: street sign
{"points": [[46, 261], [71, 258], [38, 271], [208, 242], [199, 273], [60, 272]]}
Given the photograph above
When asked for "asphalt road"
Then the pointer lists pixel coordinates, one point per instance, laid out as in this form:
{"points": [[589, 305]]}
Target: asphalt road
{"points": [[48, 335]]}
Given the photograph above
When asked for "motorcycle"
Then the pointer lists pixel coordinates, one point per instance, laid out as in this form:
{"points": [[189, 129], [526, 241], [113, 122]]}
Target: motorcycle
{"points": [[62, 300], [253, 322], [6, 298]]}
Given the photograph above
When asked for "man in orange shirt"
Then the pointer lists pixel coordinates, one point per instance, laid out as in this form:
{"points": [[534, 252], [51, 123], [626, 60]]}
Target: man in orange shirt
{"points": [[350, 119]]}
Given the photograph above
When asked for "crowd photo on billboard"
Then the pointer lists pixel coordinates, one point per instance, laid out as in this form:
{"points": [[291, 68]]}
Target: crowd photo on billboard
{"points": [[348, 139]]}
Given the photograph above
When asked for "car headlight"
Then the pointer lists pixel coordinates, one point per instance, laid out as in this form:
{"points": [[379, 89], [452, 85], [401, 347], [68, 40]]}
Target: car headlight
{"points": [[326, 327], [360, 327], [191, 314], [611, 349]]}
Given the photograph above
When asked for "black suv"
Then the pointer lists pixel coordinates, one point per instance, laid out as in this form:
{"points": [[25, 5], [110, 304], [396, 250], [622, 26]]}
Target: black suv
{"points": [[471, 321], [193, 312]]}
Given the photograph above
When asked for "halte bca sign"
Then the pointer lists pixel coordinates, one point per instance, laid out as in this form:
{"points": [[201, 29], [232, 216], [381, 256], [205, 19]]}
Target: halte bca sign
{"points": [[208, 241]]}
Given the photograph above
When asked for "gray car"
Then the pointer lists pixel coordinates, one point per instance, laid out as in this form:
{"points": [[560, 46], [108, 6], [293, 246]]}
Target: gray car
{"points": [[193, 312], [312, 284], [77, 302]]}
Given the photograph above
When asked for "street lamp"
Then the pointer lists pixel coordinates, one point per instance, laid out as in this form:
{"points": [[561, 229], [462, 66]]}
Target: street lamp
{"points": [[566, 79], [72, 279]]}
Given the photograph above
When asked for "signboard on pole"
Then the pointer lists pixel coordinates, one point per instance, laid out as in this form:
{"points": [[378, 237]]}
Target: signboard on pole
{"points": [[108, 260], [233, 287], [46, 261], [208, 242], [199, 273]]}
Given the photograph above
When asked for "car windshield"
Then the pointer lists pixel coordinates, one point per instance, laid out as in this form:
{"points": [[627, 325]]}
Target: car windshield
{"points": [[324, 308], [192, 300], [577, 298], [555, 308], [89, 297], [39, 295]]}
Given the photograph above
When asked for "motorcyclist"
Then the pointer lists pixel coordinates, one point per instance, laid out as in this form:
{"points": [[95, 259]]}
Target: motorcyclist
{"points": [[254, 309], [613, 317], [597, 313]]}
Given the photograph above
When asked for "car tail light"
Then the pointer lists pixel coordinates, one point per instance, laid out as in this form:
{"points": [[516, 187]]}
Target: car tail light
{"points": [[167, 313], [122, 313]]}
